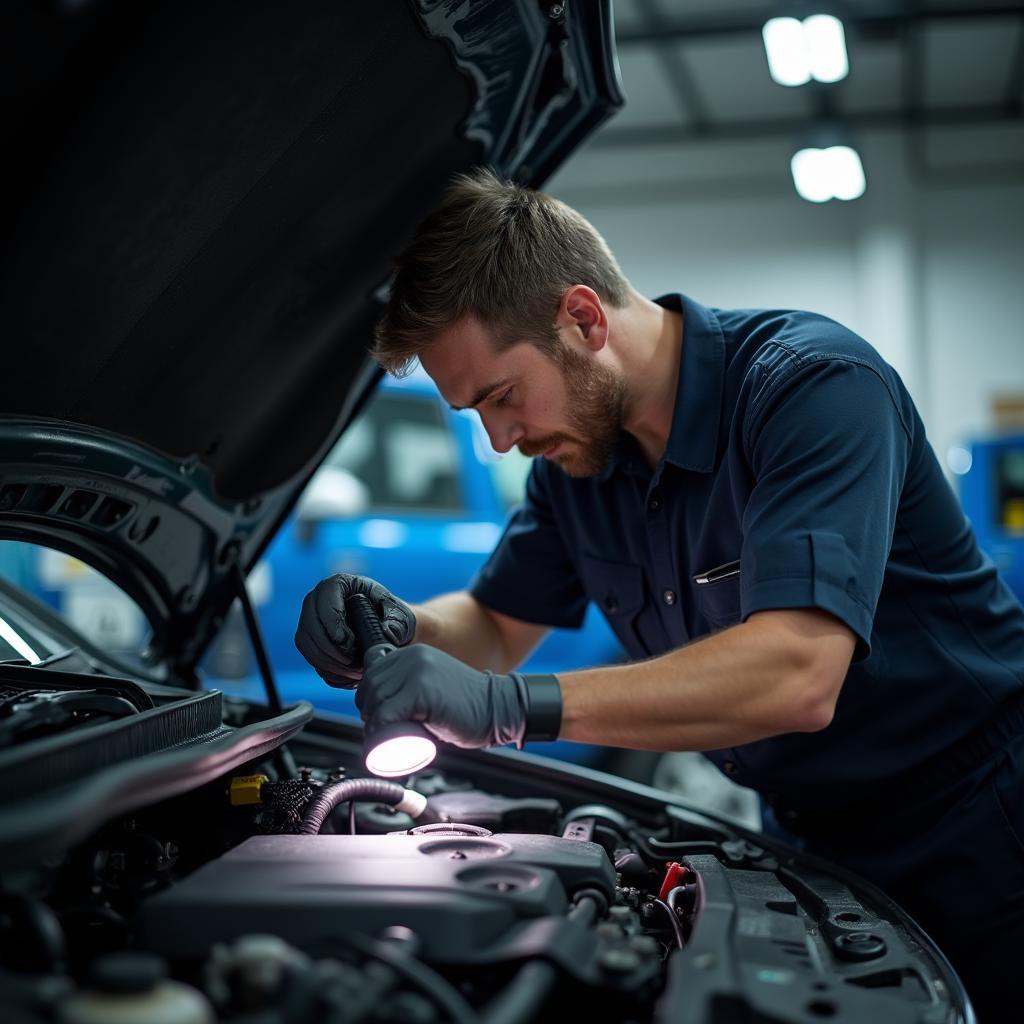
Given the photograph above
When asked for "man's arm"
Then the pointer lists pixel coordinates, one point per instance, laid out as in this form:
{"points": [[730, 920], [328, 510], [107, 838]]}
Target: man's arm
{"points": [[781, 671], [475, 634], [778, 672]]}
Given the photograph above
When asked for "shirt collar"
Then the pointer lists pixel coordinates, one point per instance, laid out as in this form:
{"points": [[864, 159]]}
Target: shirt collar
{"points": [[693, 438]]}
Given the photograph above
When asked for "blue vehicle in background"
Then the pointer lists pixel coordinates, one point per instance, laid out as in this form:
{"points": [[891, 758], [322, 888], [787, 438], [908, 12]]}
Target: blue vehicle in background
{"points": [[992, 494], [413, 496]]}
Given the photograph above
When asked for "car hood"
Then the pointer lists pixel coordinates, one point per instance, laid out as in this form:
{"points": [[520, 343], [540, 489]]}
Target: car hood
{"points": [[205, 209]]}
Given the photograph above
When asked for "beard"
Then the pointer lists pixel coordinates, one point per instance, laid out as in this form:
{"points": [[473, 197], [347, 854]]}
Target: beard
{"points": [[595, 407]]}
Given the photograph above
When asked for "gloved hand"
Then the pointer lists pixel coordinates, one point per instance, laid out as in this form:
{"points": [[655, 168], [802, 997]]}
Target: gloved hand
{"points": [[324, 638], [458, 704]]}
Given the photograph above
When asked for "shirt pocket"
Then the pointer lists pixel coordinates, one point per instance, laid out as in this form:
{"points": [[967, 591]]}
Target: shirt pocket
{"points": [[617, 588], [719, 602]]}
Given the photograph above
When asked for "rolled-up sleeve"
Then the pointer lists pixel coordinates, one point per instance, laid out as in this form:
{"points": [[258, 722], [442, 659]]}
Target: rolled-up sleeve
{"points": [[828, 448], [530, 575]]}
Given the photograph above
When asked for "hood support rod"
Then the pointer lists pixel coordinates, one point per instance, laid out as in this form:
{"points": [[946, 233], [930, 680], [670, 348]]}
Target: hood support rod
{"points": [[256, 639]]}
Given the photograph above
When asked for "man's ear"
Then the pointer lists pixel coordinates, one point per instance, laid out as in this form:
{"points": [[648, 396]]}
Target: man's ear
{"points": [[582, 311]]}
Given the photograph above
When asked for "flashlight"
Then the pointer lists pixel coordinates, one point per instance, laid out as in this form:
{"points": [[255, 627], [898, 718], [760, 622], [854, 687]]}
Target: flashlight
{"points": [[400, 748]]}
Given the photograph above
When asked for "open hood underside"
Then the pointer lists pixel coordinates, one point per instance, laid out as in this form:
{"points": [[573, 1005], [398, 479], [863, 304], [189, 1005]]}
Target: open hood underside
{"points": [[208, 198]]}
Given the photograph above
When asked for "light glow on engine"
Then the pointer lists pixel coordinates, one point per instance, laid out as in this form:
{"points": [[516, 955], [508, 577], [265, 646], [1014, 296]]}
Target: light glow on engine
{"points": [[400, 755]]}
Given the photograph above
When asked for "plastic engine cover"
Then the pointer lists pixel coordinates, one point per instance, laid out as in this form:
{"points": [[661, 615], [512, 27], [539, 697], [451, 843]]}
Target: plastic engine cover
{"points": [[458, 893]]}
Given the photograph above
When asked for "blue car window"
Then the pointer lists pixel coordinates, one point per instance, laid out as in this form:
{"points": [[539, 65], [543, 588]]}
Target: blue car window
{"points": [[403, 453], [510, 473]]}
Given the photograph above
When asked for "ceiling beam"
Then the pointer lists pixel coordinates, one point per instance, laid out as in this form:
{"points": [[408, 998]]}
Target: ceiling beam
{"points": [[773, 127], [913, 85], [674, 65], [874, 18], [1015, 82]]}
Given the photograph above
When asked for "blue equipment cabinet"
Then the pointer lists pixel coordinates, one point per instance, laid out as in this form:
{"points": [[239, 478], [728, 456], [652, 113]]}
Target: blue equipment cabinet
{"points": [[992, 493]]}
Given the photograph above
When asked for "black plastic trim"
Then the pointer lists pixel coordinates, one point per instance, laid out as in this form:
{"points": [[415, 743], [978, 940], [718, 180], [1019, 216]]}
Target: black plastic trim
{"points": [[39, 827]]}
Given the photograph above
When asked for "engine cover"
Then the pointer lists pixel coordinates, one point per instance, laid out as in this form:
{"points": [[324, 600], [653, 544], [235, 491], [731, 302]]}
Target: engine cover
{"points": [[458, 893]]}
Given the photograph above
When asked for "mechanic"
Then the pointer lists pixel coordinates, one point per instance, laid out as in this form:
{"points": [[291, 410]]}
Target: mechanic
{"points": [[750, 498]]}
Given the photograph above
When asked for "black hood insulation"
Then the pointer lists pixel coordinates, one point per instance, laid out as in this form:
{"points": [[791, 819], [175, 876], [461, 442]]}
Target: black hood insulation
{"points": [[205, 201], [207, 197]]}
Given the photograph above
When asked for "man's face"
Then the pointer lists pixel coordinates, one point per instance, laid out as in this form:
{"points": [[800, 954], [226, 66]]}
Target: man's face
{"points": [[569, 408]]}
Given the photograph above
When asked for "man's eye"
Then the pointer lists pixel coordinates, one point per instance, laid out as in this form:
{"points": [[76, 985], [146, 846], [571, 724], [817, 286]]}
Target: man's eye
{"points": [[505, 397]]}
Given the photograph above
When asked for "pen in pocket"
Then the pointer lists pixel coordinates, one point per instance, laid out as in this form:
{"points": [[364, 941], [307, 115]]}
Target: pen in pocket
{"points": [[721, 572]]}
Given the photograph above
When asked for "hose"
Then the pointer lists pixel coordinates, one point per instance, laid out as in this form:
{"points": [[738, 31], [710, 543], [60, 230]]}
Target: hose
{"points": [[524, 996], [677, 930], [587, 907], [378, 791], [433, 984], [689, 890]]}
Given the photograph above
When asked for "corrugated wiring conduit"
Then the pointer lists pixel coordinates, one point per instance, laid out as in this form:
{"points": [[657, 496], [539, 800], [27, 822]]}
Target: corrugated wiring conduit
{"points": [[377, 791]]}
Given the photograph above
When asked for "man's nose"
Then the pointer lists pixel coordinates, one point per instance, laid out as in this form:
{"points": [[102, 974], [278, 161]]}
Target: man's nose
{"points": [[503, 432]]}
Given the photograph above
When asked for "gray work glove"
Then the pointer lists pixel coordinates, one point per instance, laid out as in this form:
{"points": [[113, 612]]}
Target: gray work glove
{"points": [[324, 638], [458, 704]]}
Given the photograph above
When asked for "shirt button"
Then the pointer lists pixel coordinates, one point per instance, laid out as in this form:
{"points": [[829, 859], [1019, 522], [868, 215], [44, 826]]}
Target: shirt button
{"points": [[610, 602], [669, 597], [654, 504], [730, 768]]}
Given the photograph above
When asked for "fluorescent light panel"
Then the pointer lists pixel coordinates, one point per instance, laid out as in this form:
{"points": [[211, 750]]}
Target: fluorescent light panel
{"points": [[823, 174], [801, 50], [784, 42], [826, 48]]}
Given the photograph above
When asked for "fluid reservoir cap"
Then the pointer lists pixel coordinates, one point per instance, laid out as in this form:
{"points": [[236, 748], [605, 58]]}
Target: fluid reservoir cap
{"points": [[126, 973]]}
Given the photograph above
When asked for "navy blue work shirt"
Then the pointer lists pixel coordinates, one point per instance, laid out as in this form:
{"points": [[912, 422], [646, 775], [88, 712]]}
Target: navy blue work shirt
{"points": [[796, 451]]}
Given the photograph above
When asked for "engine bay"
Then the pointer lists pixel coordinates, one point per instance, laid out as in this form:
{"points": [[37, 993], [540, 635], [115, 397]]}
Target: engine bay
{"points": [[286, 887]]}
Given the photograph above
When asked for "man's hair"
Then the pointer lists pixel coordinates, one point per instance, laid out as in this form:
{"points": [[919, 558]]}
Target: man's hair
{"points": [[501, 253]]}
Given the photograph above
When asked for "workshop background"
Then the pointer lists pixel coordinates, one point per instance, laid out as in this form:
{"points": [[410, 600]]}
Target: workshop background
{"points": [[920, 110], [692, 187]]}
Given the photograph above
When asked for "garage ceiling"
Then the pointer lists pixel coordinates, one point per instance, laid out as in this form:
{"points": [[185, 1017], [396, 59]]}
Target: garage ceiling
{"points": [[697, 70]]}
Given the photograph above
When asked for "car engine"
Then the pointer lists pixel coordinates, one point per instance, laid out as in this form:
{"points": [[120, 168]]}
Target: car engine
{"points": [[219, 873]]}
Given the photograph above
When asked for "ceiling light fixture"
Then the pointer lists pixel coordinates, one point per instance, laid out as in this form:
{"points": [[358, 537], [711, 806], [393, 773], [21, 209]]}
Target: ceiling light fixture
{"points": [[786, 47], [832, 173], [826, 48], [801, 50]]}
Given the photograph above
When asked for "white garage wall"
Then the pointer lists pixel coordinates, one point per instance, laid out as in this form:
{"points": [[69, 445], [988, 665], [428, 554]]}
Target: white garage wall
{"points": [[974, 314], [929, 267]]}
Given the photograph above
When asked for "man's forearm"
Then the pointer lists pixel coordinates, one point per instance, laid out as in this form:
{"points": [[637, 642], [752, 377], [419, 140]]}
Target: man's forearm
{"points": [[778, 672], [458, 624]]}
